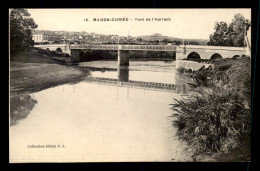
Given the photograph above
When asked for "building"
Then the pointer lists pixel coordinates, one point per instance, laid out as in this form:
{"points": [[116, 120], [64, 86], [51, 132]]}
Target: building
{"points": [[42, 37], [39, 38]]}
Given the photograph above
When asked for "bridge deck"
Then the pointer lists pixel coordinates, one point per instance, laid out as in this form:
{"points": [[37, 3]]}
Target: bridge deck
{"points": [[127, 47], [141, 47], [212, 47]]}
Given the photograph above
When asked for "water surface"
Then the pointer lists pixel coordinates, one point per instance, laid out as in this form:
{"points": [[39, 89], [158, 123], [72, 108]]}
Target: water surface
{"points": [[98, 123], [149, 71]]}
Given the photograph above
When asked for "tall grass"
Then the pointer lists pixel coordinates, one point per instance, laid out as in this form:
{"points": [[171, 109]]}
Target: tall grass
{"points": [[216, 121]]}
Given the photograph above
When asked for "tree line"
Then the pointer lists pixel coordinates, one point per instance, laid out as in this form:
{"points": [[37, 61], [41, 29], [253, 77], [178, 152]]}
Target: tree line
{"points": [[21, 27], [232, 34]]}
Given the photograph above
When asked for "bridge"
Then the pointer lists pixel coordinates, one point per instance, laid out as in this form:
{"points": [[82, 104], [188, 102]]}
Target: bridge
{"points": [[209, 52], [182, 51]]}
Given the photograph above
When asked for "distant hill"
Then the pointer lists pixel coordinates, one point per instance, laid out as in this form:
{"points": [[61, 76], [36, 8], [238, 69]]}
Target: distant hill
{"points": [[157, 36], [160, 37], [153, 37]]}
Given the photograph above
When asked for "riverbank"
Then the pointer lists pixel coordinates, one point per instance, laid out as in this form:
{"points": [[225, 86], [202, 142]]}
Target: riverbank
{"points": [[215, 123], [32, 72]]}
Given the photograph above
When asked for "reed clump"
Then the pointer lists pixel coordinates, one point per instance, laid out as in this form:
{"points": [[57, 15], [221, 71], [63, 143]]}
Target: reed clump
{"points": [[217, 120]]}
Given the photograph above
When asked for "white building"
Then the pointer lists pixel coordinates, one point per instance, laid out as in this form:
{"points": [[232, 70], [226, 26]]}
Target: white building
{"points": [[39, 38]]}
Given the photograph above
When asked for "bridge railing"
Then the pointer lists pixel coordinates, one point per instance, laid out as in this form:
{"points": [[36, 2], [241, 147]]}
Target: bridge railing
{"points": [[150, 47], [127, 47], [80, 46], [104, 47], [88, 46]]}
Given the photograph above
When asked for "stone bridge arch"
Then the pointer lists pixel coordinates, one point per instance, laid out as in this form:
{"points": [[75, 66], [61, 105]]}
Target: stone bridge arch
{"points": [[193, 55], [59, 50], [216, 56], [236, 56], [53, 47], [206, 52]]}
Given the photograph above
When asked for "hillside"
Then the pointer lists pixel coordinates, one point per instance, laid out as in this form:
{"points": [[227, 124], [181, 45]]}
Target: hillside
{"points": [[153, 37], [160, 37]]}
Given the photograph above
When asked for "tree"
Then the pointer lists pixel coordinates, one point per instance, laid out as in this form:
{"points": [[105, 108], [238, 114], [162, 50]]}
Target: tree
{"points": [[21, 26], [221, 36], [177, 42], [165, 41], [238, 26], [232, 35], [194, 43], [139, 39]]}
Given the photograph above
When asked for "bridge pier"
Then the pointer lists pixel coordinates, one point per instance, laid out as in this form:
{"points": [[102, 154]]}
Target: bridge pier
{"points": [[74, 53], [181, 56], [123, 57]]}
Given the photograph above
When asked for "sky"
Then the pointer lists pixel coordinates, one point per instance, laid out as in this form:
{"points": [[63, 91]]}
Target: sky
{"points": [[182, 23]]}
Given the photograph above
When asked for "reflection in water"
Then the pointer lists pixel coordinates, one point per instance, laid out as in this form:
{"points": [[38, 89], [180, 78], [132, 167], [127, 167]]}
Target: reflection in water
{"points": [[123, 73], [132, 123], [98, 123], [20, 107], [147, 71]]}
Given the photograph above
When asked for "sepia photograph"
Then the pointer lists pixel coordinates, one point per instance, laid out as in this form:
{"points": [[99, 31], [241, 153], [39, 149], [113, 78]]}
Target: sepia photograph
{"points": [[129, 85]]}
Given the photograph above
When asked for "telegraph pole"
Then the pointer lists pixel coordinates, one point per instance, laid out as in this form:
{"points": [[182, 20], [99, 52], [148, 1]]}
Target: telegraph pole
{"points": [[118, 51], [128, 37], [184, 47], [245, 36]]}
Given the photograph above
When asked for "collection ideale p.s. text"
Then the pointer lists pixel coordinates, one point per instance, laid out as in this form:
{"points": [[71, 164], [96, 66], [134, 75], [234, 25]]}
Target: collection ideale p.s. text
{"points": [[46, 146]]}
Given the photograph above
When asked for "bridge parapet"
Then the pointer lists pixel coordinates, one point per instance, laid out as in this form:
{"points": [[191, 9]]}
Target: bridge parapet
{"points": [[51, 45], [142, 47], [97, 47], [212, 47], [150, 47], [127, 47]]}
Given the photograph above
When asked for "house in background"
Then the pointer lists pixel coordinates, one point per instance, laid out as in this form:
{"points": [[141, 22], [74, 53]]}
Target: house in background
{"points": [[47, 37], [39, 38]]}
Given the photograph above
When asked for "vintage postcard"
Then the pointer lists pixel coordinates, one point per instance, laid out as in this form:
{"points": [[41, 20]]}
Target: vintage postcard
{"points": [[129, 85]]}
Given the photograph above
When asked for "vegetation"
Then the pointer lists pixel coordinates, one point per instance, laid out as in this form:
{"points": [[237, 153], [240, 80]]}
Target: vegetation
{"points": [[216, 121], [52, 53], [230, 35], [21, 26]]}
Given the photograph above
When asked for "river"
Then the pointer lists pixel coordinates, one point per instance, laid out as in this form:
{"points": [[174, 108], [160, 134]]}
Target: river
{"points": [[89, 122], [150, 71]]}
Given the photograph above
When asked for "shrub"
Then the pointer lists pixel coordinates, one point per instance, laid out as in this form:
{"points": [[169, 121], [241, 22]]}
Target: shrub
{"points": [[224, 71], [180, 70], [217, 120], [53, 53], [211, 122], [67, 55], [239, 76]]}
